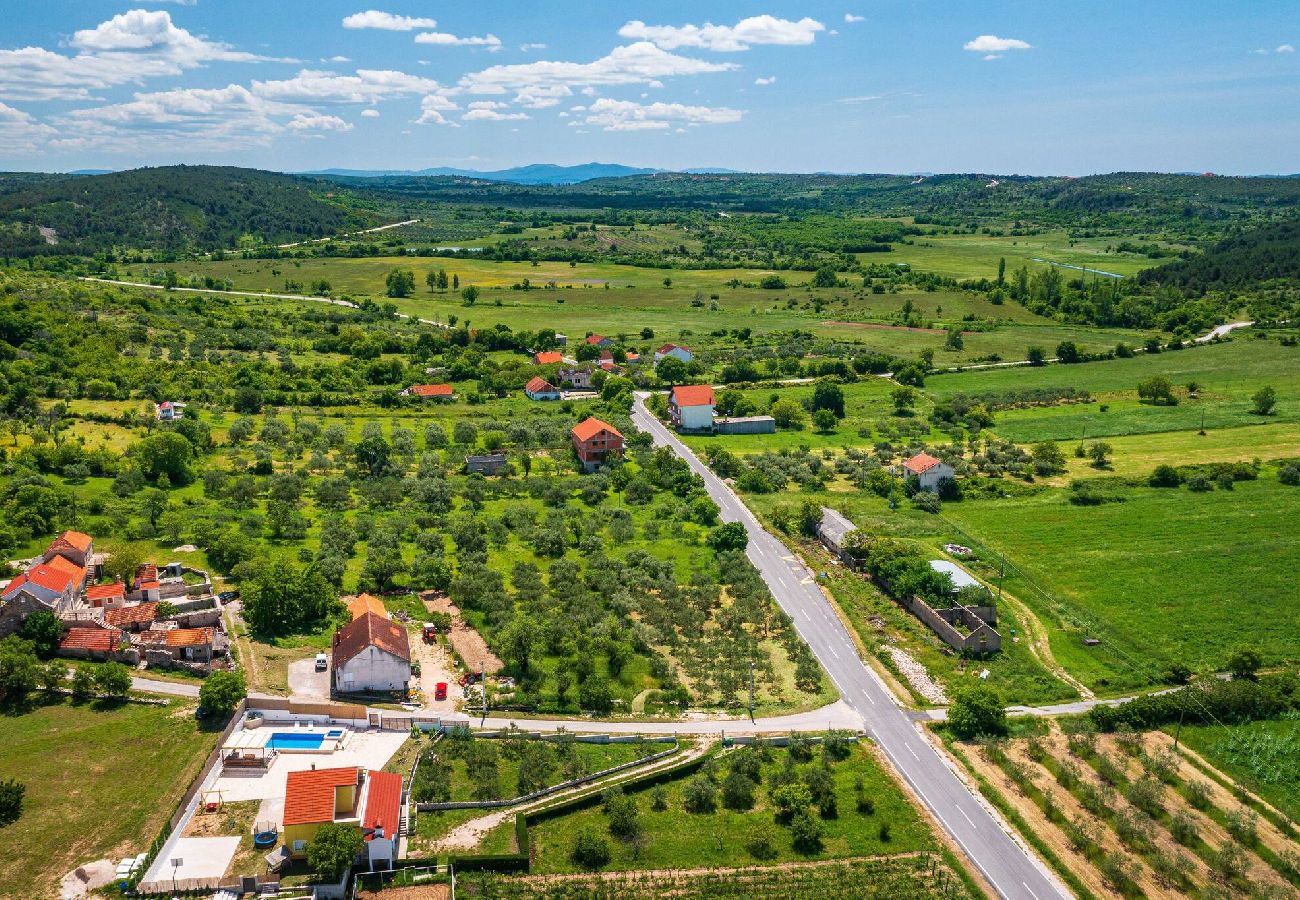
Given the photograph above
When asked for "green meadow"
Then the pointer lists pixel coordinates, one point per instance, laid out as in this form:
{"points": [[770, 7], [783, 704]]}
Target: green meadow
{"points": [[977, 255]]}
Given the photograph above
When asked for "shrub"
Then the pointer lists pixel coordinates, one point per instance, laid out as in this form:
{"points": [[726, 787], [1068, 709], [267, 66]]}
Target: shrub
{"points": [[738, 791], [762, 841], [1183, 829], [1289, 473], [222, 691], [659, 798], [806, 833], [700, 795], [11, 800], [590, 850], [1242, 825], [1198, 794], [1165, 476], [334, 848], [113, 679], [977, 710]]}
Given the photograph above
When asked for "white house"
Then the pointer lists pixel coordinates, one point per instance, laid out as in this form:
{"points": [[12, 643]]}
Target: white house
{"points": [[539, 388], [371, 653], [928, 470], [691, 407], [674, 350]]}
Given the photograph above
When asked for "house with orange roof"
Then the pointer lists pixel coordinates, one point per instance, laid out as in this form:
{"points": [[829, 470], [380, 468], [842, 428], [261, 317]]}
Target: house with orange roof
{"points": [[677, 351], [430, 392], [382, 817], [371, 654], [137, 617], [596, 442], [548, 358], [72, 545], [90, 642], [539, 388], [180, 644], [361, 604], [106, 596], [599, 340], [78, 573], [928, 470], [691, 406], [56, 587], [317, 797]]}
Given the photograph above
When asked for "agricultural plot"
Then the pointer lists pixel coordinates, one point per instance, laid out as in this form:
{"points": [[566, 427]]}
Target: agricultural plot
{"points": [[977, 255], [1127, 814], [1263, 755]]}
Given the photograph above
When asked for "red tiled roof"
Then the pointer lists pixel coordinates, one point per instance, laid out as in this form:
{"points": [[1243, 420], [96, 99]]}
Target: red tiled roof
{"points": [[922, 462], [383, 803], [590, 427], [44, 576], [361, 604], [668, 348], [177, 637], [693, 395], [596, 338], [76, 540], [104, 640], [368, 630], [633, 357], [606, 355], [431, 390], [63, 564], [132, 615], [147, 572], [103, 592], [547, 357], [309, 795], [539, 385]]}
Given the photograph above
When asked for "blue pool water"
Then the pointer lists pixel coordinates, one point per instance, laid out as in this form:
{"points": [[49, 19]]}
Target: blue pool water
{"points": [[288, 740]]}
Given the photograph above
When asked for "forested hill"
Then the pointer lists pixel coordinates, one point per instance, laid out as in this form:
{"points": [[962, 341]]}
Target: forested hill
{"points": [[170, 208], [1268, 253]]}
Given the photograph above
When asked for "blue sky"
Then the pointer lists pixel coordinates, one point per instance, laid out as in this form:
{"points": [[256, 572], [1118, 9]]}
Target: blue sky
{"points": [[1049, 87]]}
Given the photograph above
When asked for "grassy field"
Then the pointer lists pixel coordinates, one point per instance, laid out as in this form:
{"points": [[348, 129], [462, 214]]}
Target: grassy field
{"points": [[86, 799], [1264, 756], [676, 838], [977, 255], [1166, 575]]}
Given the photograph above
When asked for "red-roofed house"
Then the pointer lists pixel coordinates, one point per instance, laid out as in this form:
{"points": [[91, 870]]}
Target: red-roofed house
{"points": [[318, 797], [382, 817], [181, 644], [539, 388], [371, 653], [55, 587], [548, 358], [169, 411], [71, 545], [596, 442], [90, 643], [78, 573], [928, 470], [361, 604], [677, 351], [106, 596], [690, 406], [599, 340], [430, 391], [133, 618]]}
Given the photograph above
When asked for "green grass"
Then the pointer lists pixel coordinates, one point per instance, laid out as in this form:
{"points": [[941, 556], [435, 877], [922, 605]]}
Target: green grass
{"points": [[1167, 575], [676, 838], [1263, 755], [86, 798], [593, 757], [976, 255]]}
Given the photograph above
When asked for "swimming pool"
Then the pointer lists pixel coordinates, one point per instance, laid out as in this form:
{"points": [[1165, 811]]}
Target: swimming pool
{"points": [[288, 740]]}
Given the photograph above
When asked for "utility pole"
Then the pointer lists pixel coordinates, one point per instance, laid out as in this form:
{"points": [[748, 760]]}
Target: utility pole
{"points": [[482, 684], [751, 690]]}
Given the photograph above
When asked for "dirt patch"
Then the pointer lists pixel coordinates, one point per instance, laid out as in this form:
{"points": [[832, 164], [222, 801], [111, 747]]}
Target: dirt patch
{"points": [[232, 820], [419, 892], [465, 640], [86, 878], [880, 327], [916, 675]]}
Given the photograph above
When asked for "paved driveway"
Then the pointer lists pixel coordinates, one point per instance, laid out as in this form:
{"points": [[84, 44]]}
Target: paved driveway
{"points": [[206, 857], [305, 681]]}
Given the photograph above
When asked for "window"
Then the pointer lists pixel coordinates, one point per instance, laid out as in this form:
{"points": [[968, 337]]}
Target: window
{"points": [[298, 846]]}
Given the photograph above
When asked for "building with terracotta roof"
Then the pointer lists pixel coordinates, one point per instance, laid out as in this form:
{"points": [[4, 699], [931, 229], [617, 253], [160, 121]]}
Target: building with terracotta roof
{"points": [[317, 797], [430, 391], [576, 376], [78, 572], [106, 596], [71, 545], [137, 617], [599, 340], [169, 411], [57, 588], [90, 643], [690, 407], [181, 644], [677, 351], [382, 817], [596, 442], [928, 470], [361, 604], [548, 358], [371, 654], [539, 388]]}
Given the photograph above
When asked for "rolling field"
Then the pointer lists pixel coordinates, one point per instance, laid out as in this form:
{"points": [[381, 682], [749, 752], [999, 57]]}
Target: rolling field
{"points": [[1263, 755], [977, 255], [1167, 575]]}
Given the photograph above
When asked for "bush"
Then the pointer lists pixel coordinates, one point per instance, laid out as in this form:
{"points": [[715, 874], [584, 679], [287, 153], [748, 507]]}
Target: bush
{"points": [[1165, 476], [1289, 473], [221, 692], [11, 800], [700, 795], [977, 710], [806, 833], [762, 841], [590, 850], [738, 791], [113, 679], [334, 848]]}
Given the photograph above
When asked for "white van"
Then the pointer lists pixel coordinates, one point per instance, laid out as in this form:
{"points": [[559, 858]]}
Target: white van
{"points": [[322, 662]]}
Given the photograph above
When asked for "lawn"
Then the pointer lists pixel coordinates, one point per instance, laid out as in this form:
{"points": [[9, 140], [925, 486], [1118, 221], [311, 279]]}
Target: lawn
{"points": [[1167, 575], [677, 838], [1264, 756], [977, 255], [86, 799]]}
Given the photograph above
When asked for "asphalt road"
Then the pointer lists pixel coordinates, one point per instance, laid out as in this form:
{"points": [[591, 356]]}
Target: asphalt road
{"points": [[1012, 871]]}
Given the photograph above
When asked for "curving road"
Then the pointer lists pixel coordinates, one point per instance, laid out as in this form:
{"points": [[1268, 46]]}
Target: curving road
{"points": [[1008, 867]]}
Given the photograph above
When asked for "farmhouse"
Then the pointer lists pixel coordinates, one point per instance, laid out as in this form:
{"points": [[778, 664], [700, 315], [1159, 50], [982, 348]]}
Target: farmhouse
{"points": [[690, 407], [167, 411], [430, 392], [539, 388], [596, 442], [548, 358], [677, 351], [73, 546], [574, 377], [106, 596], [371, 653], [599, 340], [317, 797], [56, 587], [928, 470]]}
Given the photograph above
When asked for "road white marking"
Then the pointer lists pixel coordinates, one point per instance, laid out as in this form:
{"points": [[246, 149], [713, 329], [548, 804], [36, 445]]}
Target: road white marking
{"points": [[966, 817], [1031, 891]]}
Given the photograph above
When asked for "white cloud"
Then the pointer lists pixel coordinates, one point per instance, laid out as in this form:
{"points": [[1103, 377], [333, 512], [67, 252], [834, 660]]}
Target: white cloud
{"points": [[992, 44], [316, 122], [850, 18], [384, 21], [365, 86], [432, 108], [543, 83], [481, 114], [532, 45], [20, 132], [338, 59], [1285, 48], [370, 114], [625, 115], [442, 39], [762, 82], [864, 98], [726, 38], [127, 48]]}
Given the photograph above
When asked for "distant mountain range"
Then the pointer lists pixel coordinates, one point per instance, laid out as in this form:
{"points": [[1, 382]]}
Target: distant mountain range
{"points": [[538, 173]]}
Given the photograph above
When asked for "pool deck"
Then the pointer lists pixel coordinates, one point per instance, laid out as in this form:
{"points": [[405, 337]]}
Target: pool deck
{"points": [[371, 750]]}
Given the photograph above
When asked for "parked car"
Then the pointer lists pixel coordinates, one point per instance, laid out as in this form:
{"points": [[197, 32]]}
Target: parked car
{"points": [[440, 691], [227, 596], [322, 662]]}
